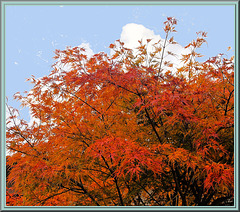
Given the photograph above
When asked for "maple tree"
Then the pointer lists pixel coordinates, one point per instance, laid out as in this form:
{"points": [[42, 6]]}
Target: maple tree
{"points": [[126, 129]]}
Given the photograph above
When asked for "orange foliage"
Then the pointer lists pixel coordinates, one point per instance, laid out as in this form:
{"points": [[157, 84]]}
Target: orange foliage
{"points": [[126, 129]]}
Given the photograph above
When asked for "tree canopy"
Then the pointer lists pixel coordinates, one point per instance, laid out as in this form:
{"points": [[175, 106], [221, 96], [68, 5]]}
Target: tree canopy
{"points": [[128, 128]]}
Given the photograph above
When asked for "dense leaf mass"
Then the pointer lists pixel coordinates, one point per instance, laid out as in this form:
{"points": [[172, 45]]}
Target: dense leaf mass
{"points": [[126, 129]]}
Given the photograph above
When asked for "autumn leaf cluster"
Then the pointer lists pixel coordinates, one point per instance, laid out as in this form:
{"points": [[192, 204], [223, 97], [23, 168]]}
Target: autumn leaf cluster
{"points": [[126, 129]]}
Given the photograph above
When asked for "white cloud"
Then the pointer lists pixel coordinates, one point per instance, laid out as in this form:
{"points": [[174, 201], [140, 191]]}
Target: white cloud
{"points": [[132, 33], [88, 51]]}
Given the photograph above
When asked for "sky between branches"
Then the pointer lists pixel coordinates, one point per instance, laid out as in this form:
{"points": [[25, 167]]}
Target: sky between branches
{"points": [[34, 32]]}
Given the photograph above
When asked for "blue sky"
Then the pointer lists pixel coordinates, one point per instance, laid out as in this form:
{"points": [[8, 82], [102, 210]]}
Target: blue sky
{"points": [[34, 32]]}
